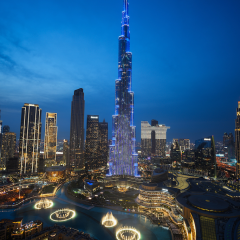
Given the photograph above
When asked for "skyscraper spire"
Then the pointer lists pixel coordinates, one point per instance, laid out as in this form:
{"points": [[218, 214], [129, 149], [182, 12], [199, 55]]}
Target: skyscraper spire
{"points": [[122, 156]]}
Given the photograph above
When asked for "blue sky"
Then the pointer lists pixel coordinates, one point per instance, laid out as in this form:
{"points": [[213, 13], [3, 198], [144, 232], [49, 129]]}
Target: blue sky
{"points": [[186, 61]]}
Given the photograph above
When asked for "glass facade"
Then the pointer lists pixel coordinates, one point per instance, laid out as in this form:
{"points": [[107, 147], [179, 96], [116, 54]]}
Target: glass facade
{"points": [[103, 134], [237, 141], [175, 153], [77, 129], [123, 159], [30, 137], [50, 140], [92, 143], [205, 155], [65, 153], [8, 148]]}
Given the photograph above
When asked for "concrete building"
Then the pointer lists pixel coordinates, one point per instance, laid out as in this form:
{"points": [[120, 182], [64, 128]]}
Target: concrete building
{"points": [[153, 139]]}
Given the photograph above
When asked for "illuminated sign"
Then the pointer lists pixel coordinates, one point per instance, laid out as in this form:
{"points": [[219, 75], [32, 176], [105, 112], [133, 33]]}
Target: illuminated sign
{"points": [[207, 139], [94, 117]]}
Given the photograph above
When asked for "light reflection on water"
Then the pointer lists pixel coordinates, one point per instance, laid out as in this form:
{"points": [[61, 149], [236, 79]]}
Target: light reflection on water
{"points": [[89, 221]]}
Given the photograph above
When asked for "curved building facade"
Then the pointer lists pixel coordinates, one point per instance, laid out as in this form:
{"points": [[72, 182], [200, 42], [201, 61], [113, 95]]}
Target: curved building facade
{"points": [[210, 216]]}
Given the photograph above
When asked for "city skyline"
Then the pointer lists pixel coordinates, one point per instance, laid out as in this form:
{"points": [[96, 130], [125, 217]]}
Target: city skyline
{"points": [[191, 63]]}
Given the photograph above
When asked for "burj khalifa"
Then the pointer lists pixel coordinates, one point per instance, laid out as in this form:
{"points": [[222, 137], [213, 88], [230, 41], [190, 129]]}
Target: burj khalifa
{"points": [[123, 160]]}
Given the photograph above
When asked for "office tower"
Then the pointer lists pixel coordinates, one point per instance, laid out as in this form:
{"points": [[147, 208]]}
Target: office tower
{"points": [[205, 155], [237, 141], [30, 137], [123, 160], [175, 153], [153, 138], [229, 145], [92, 148], [77, 129], [8, 148], [184, 144], [50, 139], [6, 129], [65, 153], [103, 134]]}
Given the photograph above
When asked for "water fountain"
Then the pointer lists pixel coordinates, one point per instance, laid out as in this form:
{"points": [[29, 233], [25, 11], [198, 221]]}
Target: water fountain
{"points": [[109, 220], [128, 233], [62, 215], [44, 203]]}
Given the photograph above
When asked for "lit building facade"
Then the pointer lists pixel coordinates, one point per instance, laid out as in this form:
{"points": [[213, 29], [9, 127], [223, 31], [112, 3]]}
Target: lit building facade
{"points": [[237, 141], [30, 137], [123, 160], [175, 153], [92, 149], [65, 153], [205, 155], [50, 140], [77, 129], [229, 146], [103, 134], [8, 147], [153, 138]]}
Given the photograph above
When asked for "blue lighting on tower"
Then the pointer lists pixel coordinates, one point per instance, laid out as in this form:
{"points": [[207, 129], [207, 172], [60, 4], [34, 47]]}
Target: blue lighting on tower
{"points": [[123, 159]]}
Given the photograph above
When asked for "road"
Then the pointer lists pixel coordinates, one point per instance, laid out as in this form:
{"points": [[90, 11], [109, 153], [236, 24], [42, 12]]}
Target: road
{"points": [[182, 180]]}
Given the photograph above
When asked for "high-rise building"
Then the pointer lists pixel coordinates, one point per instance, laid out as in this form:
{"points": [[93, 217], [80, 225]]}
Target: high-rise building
{"points": [[103, 134], [184, 144], [205, 155], [8, 148], [65, 153], [30, 137], [153, 138], [50, 139], [229, 145], [6, 129], [92, 149], [175, 153], [237, 141], [77, 129], [123, 159]]}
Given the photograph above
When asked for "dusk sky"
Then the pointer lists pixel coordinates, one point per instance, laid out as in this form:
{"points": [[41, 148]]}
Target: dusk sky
{"points": [[186, 61]]}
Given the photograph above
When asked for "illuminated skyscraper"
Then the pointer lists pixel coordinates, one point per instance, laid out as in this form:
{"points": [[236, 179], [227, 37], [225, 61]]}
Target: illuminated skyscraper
{"points": [[65, 153], [8, 147], [50, 139], [123, 159], [92, 143], [103, 134], [96, 149], [205, 155], [77, 129], [237, 141], [153, 138], [30, 137]]}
